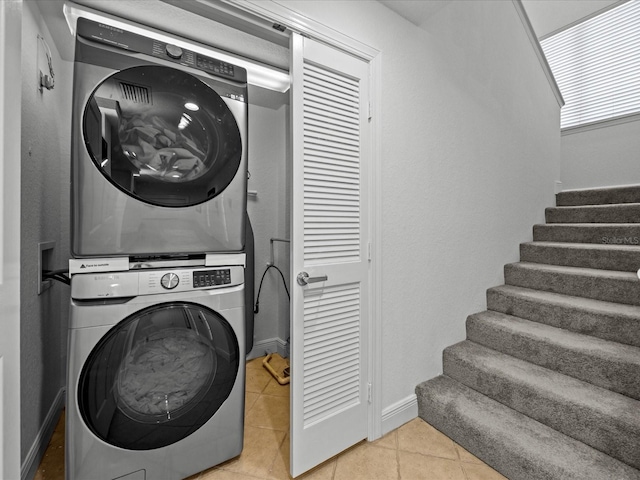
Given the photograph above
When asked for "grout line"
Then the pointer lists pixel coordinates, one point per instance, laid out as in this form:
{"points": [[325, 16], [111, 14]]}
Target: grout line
{"points": [[464, 472], [397, 442], [455, 447], [273, 462], [335, 468]]}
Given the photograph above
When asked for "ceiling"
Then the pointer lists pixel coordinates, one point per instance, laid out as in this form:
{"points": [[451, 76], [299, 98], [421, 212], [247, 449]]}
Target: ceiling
{"points": [[546, 16], [416, 11]]}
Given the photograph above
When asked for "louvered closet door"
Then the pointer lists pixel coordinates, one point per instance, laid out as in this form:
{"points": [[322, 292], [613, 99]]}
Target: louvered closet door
{"points": [[329, 319]]}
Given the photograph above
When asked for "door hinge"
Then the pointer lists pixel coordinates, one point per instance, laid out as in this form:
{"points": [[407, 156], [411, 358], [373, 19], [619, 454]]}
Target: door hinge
{"points": [[369, 251], [369, 393]]}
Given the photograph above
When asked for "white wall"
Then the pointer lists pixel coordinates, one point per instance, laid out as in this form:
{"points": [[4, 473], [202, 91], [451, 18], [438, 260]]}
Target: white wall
{"points": [[603, 157], [10, 113], [470, 151], [269, 213], [46, 120]]}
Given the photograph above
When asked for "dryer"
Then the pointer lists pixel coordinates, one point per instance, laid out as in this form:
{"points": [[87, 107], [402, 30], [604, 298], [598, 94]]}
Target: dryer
{"points": [[159, 147], [156, 372]]}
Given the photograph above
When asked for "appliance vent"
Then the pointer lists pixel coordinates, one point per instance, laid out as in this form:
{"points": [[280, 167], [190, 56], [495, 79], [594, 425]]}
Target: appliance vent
{"points": [[135, 93]]}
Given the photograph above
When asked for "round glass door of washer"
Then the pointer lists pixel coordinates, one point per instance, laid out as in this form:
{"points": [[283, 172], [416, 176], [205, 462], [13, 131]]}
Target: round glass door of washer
{"points": [[158, 376], [162, 136]]}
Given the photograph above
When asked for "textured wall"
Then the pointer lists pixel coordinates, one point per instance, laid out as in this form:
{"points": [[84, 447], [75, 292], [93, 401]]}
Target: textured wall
{"points": [[46, 119], [470, 151], [602, 157]]}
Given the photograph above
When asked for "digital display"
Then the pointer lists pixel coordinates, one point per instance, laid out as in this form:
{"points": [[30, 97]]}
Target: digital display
{"points": [[211, 278]]}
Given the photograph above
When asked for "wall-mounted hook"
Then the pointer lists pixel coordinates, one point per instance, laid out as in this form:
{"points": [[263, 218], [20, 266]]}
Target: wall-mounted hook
{"points": [[47, 77]]}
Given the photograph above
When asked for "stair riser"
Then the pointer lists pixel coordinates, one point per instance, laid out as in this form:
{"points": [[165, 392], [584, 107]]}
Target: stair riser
{"points": [[622, 260], [598, 234], [616, 375], [624, 213], [579, 284], [622, 329], [515, 445], [600, 196], [605, 433]]}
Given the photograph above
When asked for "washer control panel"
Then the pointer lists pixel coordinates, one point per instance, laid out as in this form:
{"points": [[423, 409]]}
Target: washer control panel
{"points": [[212, 277], [154, 281]]}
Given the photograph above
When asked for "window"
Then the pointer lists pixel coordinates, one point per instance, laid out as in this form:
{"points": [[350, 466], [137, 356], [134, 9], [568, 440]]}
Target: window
{"points": [[597, 66]]}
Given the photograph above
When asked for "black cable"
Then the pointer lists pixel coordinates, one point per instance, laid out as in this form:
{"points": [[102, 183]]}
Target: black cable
{"points": [[256, 309], [58, 275]]}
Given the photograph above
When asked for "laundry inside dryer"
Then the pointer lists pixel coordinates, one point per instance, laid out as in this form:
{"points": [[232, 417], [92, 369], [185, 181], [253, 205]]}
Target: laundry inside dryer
{"points": [[160, 140]]}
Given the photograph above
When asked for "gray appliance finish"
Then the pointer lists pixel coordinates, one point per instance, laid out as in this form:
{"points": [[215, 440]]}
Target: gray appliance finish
{"points": [[159, 147], [156, 372]]}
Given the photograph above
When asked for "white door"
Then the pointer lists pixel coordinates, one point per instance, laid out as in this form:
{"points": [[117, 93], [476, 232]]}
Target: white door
{"points": [[330, 241], [10, 95]]}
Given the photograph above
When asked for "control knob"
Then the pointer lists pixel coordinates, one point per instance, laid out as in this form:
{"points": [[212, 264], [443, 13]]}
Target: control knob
{"points": [[173, 51], [169, 281]]}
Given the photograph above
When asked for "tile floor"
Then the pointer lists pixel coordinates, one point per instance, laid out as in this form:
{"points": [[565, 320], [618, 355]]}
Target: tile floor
{"points": [[415, 451]]}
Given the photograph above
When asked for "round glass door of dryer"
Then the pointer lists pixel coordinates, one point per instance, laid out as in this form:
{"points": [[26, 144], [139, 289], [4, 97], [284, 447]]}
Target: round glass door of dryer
{"points": [[162, 136], [158, 376]]}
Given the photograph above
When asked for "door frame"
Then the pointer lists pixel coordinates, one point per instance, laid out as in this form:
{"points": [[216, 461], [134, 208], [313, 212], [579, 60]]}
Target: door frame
{"points": [[10, 145], [276, 13]]}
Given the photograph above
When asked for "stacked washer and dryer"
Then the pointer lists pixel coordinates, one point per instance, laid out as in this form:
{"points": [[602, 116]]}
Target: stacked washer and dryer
{"points": [[158, 318]]}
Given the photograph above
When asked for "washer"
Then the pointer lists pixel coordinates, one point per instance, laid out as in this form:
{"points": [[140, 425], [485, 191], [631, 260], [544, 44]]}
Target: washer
{"points": [[156, 372], [159, 146]]}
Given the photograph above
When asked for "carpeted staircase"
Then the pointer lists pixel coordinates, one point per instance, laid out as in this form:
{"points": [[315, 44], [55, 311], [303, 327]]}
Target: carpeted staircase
{"points": [[547, 383]]}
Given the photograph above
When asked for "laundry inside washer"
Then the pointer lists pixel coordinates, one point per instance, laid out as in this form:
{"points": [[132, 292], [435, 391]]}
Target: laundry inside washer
{"points": [[156, 372]]}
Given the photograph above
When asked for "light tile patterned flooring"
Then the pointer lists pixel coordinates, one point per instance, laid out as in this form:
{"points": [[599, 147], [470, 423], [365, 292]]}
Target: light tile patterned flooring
{"points": [[415, 451]]}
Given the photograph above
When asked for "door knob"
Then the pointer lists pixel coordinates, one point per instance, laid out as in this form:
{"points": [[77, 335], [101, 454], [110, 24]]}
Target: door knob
{"points": [[304, 278]]}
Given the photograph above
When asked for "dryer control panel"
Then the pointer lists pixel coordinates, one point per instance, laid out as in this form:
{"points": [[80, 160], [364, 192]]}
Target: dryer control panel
{"points": [[122, 39]]}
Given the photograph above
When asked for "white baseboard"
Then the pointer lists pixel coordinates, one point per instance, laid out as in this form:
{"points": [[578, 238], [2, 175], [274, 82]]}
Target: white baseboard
{"points": [[40, 443], [558, 186], [270, 345], [396, 415]]}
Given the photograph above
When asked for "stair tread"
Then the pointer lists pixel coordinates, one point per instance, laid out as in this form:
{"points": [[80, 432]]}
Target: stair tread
{"points": [[570, 301], [489, 429], [562, 338], [605, 206], [582, 271], [618, 212], [588, 233], [604, 256], [598, 283], [560, 387], [586, 246], [599, 195], [588, 225]]}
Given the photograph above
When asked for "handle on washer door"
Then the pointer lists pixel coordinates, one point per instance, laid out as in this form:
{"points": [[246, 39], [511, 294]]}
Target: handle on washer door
{"points": [[305, 279]]}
